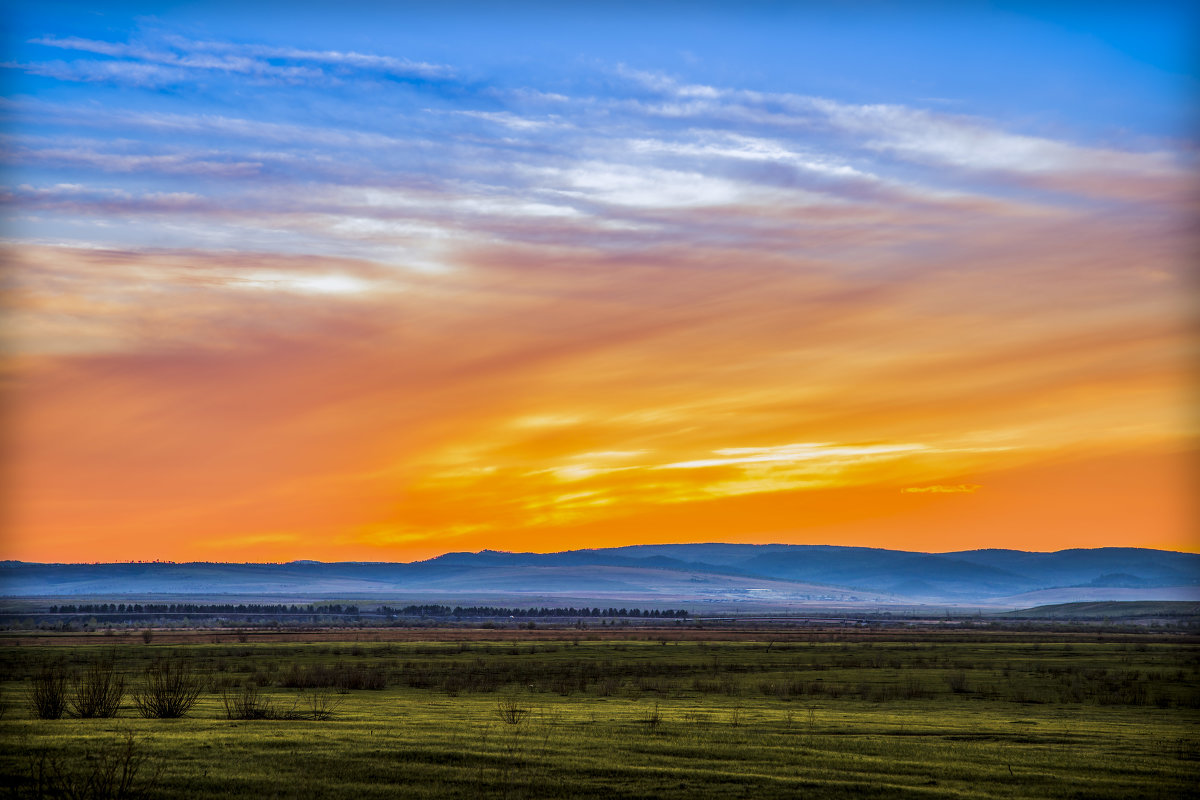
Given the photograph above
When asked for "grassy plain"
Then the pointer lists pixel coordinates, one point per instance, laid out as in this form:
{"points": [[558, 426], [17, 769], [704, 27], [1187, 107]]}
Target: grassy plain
{"points": [[658, 714]]}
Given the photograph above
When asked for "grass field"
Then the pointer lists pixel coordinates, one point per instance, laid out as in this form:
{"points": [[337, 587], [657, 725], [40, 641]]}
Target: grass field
{"points": [[661, 715]]}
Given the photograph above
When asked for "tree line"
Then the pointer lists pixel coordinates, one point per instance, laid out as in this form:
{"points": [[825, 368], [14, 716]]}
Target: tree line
{"points": [[196, 608], [496, 611], [335, 609]]}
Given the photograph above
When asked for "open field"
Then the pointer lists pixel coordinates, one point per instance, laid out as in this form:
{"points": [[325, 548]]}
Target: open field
{"points": [[635, 713]]}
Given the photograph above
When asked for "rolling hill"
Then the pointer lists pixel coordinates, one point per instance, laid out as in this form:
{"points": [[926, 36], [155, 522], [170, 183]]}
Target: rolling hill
{"points": [[766, 575]]}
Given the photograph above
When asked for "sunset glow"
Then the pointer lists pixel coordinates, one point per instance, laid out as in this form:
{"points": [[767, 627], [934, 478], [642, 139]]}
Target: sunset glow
{"points": [[378, 287]]}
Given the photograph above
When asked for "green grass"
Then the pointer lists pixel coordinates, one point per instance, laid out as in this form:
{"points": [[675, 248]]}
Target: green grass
{"points": [[818, 719]]}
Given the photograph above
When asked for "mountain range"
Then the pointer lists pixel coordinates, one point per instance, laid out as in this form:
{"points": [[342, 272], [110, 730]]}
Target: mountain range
{"points": [[772, 575]]}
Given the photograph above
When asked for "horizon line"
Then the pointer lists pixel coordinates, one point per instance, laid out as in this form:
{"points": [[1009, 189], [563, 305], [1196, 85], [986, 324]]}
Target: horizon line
{"points": [[597, 549]]}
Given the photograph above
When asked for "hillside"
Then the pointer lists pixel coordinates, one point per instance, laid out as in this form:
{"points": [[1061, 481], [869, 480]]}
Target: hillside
{"points": [[1110, 611], [777, 575]]}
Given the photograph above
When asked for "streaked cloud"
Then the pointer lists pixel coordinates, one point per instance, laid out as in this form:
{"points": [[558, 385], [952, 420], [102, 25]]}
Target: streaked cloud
{"points": [[792, 453], [175, 59], [921, 136], [958, 488]]}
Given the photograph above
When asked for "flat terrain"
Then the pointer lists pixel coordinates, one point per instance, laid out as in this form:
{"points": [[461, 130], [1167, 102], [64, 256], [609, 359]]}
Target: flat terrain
{"points": [[642, 713]]}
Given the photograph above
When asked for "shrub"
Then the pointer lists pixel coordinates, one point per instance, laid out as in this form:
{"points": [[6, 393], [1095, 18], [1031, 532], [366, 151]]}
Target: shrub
{"points": [[170, 690], [314, 704], [99, 691], [49, 696], [653, 719], [249, 703], [148, 635], [335, 676], [510, 712], [114, 770]]}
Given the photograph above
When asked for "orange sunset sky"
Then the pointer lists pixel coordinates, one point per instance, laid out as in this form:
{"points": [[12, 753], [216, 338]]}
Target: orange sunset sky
{"points": [[309, 293]]}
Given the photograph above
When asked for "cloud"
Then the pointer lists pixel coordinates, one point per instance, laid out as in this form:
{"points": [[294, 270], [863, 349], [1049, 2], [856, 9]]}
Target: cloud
{"points": [[119, 49], [794, 453], [177, 163], [920, 136], [240, 128], [511, 120], [959, 488], [390, 65], [177, 59], [972, 144], [123, 72]]}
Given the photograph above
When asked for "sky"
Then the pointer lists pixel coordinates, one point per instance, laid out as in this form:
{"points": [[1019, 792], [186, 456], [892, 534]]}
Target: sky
{"points": [[380, 281]]}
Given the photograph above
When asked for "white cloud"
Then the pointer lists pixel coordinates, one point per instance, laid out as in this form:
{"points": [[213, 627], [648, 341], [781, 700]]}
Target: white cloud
{"points": [[362, 61], [307, 284], [657, 188], [971, 144], [959, 488], [750, 148], [795, 453], [127, 72], [510, 120], [173, 163], [483, 201], [253, 60], [916, 134]]}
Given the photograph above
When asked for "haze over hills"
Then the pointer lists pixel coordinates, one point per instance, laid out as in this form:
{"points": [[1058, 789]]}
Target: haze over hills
{"points": [[774, 574]]}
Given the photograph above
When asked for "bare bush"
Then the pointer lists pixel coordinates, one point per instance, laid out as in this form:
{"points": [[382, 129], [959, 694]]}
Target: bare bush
{"points": [[99, 691], [652, 719], [111, 771], [249, 703], [48, 698], [148, 635], [510, 712], [318, 704], [170, 690]]}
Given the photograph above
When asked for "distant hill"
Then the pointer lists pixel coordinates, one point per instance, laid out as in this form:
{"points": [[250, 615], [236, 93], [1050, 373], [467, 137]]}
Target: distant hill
{"points": [[764, 575], [1111, 611]]}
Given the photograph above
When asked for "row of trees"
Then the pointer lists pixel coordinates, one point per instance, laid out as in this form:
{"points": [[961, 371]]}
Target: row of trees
{"points": [[496, 611], [199, 609], [195, 608]]}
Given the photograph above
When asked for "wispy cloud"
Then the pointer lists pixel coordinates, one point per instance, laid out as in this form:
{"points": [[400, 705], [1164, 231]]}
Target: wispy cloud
{"points": [[176, 59], [794, 453], [177, 163], [917, 135], [514, 121], [360, 61], [133, 73], [958, 488]]}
